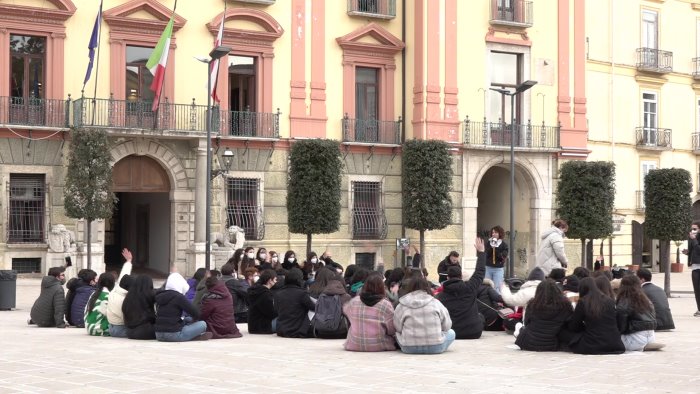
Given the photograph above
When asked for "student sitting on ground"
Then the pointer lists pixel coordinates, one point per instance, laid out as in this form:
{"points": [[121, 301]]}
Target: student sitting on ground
{"points": [[217, 310], [459, 297], [48, 310], [489, 301], [261, 313], [636, 319], [171, 305], [96, 310], [293, 304], [657, 296], [138, 309], [329, 321], [371, 318], [79, 291], [546, 314], [593, 326], [198, 276], [115, 300]]}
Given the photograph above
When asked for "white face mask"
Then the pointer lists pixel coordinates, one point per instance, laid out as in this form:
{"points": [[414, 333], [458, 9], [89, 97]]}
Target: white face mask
{"points": [[274, 259], [314, 260], [255, 278], [291, 260], [263, 256], [251, 255]]}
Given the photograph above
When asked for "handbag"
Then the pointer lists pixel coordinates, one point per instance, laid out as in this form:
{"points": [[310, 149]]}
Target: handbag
{"points": [[503, 313]]}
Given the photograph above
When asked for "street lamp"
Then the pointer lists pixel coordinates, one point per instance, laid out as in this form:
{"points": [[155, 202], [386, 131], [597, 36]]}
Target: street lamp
{"points": [[228, 159], [511, 234], [215, 54]]}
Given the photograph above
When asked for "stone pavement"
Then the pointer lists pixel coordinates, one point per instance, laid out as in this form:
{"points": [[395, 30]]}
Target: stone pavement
{"points": [[68, 360]]}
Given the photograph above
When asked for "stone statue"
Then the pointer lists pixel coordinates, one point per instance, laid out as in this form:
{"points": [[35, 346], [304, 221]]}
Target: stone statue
{"points": [[233, 239], [61, 239]]}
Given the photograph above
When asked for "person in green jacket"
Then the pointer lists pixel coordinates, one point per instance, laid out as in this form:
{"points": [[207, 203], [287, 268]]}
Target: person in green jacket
{"points": [[96, 310]]}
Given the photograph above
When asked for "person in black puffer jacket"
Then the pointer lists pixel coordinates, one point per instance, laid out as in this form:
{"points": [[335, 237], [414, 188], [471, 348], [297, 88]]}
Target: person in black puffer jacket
{"points": [[293, 303], [238, 291], [79, 291], [171, 305], [138, 309], [459, 297], [545, 316], [49, 308], [488, 303], [261, 312], [635, 316]]}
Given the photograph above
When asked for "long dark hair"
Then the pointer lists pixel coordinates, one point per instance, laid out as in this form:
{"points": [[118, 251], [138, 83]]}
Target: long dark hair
{"points": [[631, 294], [140, 298], [418, 282], [105, 280], [323, 276], [604, 285], [548, 297], [236, 258], [592, 298]]}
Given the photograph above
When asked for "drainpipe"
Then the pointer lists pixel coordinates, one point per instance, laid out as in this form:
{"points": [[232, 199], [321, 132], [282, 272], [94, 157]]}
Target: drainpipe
{"points": [[403, 116]]}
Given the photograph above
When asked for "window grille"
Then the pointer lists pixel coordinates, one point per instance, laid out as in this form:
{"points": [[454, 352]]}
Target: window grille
{"points": [[365, 260], [368, 219], [244, 207], [26, 265], [27, 213]]}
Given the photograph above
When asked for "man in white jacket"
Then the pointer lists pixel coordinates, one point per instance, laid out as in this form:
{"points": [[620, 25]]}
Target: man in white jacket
{"points": [[551, 254], [115, 316]]}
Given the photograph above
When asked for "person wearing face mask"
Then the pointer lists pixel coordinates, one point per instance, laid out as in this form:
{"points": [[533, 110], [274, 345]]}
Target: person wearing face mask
{"points": [[693, 253], [290, 260], [247, 261], [307, 267], [274, 260], [261, 260], [49, 308]]}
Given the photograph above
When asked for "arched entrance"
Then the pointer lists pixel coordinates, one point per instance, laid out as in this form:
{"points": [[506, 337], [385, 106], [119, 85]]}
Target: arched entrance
{"points": [[644, 249], [141, 220], [494, 209]]}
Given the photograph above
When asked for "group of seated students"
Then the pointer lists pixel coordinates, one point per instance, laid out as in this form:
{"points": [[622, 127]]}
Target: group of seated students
{"points": [[372, 311]]}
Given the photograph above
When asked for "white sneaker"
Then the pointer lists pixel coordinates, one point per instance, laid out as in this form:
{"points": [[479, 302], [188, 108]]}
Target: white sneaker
{"points": [[518, 326]]}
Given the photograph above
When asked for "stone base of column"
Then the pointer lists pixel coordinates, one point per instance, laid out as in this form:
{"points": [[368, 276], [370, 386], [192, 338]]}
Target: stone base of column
{"points": [[97, 258], [195, 257]]}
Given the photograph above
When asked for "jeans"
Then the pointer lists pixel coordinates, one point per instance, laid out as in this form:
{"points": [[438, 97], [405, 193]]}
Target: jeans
{"points": [[274, 325], [636, 341], [117, 331], [695, 276], [496, 275], [431, 349], [187, 333]]}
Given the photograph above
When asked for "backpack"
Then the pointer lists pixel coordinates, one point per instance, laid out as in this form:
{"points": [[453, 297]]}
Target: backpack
{"points": [[329, 321]]}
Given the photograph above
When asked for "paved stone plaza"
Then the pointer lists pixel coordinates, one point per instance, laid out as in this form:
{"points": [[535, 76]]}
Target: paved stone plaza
{"points": [[68, 360]]}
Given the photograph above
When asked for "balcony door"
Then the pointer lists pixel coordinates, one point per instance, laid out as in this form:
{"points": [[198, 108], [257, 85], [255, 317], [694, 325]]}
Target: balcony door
{"points": [[242, 73], [366, 104], [28, 57], [650, 116], [505, 74], [650, 39], [139, 96]]}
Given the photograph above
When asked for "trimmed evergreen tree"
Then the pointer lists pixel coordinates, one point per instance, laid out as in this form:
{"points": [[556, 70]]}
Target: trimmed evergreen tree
{"points": [[586, 199], [426, 184], [668, 211], [88, 191], [313, 190]]}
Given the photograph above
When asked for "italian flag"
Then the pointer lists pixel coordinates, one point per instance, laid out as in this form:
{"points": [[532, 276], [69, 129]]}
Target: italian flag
{"points": [[157, 62], [214, 67]]}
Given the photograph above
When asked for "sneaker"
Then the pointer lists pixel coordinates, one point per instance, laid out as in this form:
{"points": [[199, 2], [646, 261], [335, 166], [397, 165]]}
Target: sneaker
{"points": [[518, 326], [30, 322], [696, 314], [204, 337], [654, 346]]}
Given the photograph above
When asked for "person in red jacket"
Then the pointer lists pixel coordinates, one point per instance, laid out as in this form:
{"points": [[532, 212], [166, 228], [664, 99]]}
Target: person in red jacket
{"points": [[217, 310]]}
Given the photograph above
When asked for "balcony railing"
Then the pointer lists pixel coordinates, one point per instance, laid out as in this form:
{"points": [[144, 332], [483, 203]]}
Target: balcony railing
{"points": [[177, 118], [640, 201], [511, 13], [372, 131], [654, 60], [653, 138], [382, 9], [498, 134], [36, 112]]}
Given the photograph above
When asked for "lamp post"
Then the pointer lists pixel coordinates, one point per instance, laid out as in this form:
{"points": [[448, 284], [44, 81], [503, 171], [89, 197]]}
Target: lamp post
{"points": [[215, 54], [511, 233]]}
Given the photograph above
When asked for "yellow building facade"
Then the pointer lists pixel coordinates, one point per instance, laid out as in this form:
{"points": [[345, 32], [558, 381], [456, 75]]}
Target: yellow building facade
{"points": [[368, 73], [644, 107]]}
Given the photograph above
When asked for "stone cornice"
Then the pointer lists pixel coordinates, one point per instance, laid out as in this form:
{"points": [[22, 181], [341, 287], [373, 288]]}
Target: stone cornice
{"points": [[119, 19], [386, 44], [36, 14]]}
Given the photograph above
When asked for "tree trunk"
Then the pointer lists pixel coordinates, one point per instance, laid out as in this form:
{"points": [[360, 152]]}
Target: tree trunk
{"points": [[422, 248], [664, 248], [89, 242], [308, 246], [583, 252]]}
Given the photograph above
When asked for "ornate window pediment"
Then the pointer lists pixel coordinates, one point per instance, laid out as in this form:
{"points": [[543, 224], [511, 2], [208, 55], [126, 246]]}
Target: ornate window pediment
{"points": [[128, 17], [63, 9], [372, 38]]}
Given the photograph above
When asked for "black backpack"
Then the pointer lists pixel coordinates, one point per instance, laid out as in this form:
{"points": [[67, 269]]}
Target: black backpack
{"points": [[329, 321]]}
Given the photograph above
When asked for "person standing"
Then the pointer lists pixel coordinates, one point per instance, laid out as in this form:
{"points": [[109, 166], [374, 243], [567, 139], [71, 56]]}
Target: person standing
{"points": [[551, 253], [693, 253], [49, 308], [496, 256], [450, 260]]}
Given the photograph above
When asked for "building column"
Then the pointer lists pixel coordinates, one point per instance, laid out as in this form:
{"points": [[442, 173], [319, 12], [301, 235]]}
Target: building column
{"points": [[200, 194]]}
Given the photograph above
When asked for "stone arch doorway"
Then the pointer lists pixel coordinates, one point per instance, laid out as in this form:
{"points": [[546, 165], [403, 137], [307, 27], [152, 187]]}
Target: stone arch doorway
{"points": [[141, 220], [494, 209]]}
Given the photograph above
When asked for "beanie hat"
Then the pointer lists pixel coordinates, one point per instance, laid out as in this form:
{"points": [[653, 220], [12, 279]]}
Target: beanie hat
{"points": [[570, 283], [536, 274]]}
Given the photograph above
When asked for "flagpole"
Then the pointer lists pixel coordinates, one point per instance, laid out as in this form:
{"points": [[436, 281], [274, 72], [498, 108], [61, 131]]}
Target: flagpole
{"points": [[155, 120], [97, 70]]}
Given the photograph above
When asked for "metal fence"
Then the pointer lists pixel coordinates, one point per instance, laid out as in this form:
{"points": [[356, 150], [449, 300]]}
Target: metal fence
{"points": [[368, 218], [653, 137], [527, 135], [244, 206], [27, 215], [371, 131], [512, 12], [382, 8], [651, 59], [22, 111], [246, 123]]}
